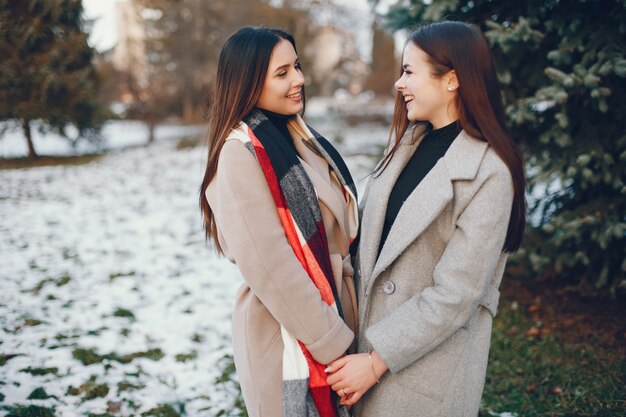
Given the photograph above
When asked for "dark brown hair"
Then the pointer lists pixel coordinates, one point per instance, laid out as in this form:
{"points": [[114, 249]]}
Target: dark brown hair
{"points": [[462, 47], [241, 72]]}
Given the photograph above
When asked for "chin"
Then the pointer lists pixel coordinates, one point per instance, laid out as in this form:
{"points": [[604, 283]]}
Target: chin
{"points": [[412, 117], [415, 116]]}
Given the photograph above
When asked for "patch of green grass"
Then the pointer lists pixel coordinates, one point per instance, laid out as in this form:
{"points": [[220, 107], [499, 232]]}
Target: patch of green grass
{"points": [[165, 410], [29, 411], [39, 394], [69, 253], [40, 371], [226, 381], [114, 276], [534, 374], [28, 322], [153, 354], [61, 336], [42, 283], [5, 357], [128, 386], [184, 357], [122, 312], [61, 281], [96, 332], [91, 356], [64, 280], [90, 389], [87, 356], [197, 338]]}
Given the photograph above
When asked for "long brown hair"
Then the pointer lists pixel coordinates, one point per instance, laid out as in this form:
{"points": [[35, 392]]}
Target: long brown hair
{"points": [[241, 72], [462, 47]]}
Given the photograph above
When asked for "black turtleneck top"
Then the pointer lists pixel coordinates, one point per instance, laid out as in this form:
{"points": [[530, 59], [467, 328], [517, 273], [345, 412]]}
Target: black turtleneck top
{"points": [[429, 151], [280, 123]]}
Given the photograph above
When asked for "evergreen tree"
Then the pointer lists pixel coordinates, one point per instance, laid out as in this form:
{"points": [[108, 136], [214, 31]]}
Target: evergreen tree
{"points": [[46, 69], [562, 68]]}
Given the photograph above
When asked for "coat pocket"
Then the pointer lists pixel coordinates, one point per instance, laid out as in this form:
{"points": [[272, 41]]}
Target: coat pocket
{"points": [[271, 343], [431, 375]]}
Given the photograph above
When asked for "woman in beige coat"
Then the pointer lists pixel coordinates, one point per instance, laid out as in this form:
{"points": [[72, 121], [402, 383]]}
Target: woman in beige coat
{"points": [[279, 202], [441, 212]]}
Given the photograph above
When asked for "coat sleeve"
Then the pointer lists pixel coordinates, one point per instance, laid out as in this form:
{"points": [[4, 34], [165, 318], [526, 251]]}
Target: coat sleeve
{"points": [[460, 279], [246, 215]]}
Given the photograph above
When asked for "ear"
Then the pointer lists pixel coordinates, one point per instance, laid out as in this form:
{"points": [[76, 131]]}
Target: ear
{"points": [[452, 83]]}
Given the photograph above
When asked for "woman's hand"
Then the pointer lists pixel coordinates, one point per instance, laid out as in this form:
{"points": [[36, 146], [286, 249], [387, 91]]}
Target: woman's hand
{"points": [[352, 375]]}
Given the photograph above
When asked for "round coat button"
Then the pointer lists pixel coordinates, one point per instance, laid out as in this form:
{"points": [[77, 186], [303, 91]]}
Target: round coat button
{"points": [[389, 287]]}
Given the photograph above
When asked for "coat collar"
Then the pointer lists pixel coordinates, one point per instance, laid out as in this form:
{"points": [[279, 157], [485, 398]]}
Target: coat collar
{"points": [[424, 204]]}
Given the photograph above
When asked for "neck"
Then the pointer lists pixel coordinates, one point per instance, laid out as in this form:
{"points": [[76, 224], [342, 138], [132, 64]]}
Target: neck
{"points": [[450, 126], [444, 119]]}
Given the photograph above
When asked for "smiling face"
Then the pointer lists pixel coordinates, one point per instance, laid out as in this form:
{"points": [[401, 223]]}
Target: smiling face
{"points": [[427, 98], [282, 88]]}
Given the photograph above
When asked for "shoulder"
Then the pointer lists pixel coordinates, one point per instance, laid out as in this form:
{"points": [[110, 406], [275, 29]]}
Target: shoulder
{"points": [[473, 155], [476, 163], [492, 164], [236, 167], [235, 150], [494, 175]]}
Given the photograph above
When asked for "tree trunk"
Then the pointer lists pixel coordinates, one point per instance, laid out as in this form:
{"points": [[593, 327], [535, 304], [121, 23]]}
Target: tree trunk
{"points": [[29, 139], [187, 109], [151, 127], [384, 63]]}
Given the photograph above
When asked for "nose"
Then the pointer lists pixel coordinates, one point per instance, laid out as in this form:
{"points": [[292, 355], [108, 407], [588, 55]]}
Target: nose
{"points": [[298, 80], [399, 84]]}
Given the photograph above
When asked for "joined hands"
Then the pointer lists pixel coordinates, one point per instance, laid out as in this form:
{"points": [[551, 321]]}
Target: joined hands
{"points": [[351, 376]]}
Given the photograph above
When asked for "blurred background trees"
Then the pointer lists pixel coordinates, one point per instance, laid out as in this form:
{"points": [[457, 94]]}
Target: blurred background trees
{"points": [[169, 51], [164, 62], [562, 69], [47, 72], [561, 66]]}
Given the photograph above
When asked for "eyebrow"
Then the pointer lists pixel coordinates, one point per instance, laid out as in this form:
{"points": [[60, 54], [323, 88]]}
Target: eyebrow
{"points": [[286, 65], [405, 66]]}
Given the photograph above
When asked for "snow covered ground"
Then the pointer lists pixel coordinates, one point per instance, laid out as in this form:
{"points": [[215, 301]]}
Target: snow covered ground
{"points": [[110, 301]]}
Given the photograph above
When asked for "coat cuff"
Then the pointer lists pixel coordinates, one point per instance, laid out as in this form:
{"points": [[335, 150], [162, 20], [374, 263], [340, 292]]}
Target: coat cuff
{"points": [[378, 337], [333, 344]]}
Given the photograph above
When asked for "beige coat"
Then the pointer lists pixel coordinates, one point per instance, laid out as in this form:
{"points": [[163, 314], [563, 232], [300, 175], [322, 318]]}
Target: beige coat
{"points": [[277, 289], [427, 303]]}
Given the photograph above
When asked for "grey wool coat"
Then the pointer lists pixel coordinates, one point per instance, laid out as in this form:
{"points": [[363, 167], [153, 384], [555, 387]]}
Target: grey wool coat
{"points": [[277, 289], [426, 304]]}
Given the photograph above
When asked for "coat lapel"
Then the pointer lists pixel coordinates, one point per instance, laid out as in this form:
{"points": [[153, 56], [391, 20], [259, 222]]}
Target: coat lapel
{"points": [[377, 197], [424, 204], [419, 210]]}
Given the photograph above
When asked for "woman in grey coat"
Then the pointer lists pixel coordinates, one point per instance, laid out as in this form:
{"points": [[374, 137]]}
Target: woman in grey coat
{"points": [[441, 212]]}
